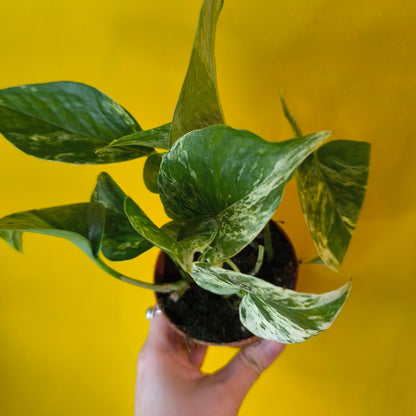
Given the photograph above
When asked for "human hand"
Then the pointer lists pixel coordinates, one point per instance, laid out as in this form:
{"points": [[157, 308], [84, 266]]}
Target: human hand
{"points": [[170, 382]]}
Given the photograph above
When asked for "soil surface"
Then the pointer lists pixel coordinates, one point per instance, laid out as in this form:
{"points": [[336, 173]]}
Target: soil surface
{"points": [[212, 318]]}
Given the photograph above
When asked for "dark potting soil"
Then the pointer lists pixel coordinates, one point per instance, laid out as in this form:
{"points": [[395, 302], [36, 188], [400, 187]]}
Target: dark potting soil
{"points": [[212, 318]]}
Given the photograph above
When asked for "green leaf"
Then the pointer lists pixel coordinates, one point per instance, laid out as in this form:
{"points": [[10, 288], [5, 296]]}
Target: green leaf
{"points": [[331, 185], [197, 234], [148, 230], [198, 105], [217, 280], [121, 241], [272, 312], [14, 238], [194, 236], [109, 194], [82, 224], [172, 229], [151, 171], [157, 137], [233, 176], [309, 316], [66, 122]]}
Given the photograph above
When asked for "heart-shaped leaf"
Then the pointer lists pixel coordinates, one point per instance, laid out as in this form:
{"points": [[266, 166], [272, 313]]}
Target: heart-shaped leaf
{"points": [[120, 241], [82, 224], [331, 185], [272, 312], [66, 122], [198, 104], [233, 176]]}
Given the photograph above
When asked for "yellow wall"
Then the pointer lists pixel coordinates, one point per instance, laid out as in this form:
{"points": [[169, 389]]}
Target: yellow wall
{"points": [[69, 334]]}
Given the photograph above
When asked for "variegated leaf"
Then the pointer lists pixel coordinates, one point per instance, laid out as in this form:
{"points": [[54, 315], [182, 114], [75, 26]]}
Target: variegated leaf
{"points": [[66, 122], [215, 279], [290, 325], [272, 312], [198, 104], [157, 137], [120, 241], [197, 234], [82, 224], [172, 229], [331, 185], [233, 176], [148, 230], [108, 193]]}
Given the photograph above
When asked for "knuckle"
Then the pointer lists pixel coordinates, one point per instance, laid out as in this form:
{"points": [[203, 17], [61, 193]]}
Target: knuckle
{"points": [[251, 362]]}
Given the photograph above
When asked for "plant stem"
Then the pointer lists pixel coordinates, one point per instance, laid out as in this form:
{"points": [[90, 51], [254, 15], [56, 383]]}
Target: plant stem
{"points": [[259, 262], [180, 286], [268, 243], [232, 265]]}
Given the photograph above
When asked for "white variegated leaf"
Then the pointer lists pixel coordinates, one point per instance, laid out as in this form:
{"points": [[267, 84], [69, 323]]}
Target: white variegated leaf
{"points": [[215, 279], [233, 176], [157, 137], [194, 236], [272, 312], [147, 229], [309, 316], [172, 229], [198, 105], [67, 122], [331, 184], [197, 234]]}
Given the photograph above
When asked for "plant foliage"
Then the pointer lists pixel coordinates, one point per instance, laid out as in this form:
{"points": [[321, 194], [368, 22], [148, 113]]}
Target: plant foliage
{"points": [[220, 187]]}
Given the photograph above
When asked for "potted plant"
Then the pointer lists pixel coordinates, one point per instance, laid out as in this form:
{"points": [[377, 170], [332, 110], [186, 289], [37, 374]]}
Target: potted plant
{"points": [[227, 271]]}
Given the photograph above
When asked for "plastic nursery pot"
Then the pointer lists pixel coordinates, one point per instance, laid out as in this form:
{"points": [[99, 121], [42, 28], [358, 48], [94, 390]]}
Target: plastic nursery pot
{"points": [[207, 318]]}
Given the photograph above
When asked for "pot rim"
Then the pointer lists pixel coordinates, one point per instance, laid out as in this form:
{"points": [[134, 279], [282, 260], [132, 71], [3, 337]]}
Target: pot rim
{"points": [[159, 267], [159, 271]]}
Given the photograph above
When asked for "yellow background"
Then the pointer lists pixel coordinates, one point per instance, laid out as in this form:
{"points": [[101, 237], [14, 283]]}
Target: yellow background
{"points": [[70, 334]]}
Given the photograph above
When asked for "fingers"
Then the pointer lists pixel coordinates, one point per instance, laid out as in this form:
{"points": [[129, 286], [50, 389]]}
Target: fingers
{"points": [[244, 369], [162, 336], [197, 355]]}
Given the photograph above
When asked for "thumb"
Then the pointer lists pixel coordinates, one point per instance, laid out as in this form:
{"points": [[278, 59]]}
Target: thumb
{"points": [[247, 365]]}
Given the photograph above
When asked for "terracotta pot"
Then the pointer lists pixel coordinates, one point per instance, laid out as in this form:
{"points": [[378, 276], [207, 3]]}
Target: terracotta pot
{"points": [[165, 271]]}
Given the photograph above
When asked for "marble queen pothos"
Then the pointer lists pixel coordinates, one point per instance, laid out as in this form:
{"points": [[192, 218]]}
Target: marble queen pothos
{"points": [[220, 187]]}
